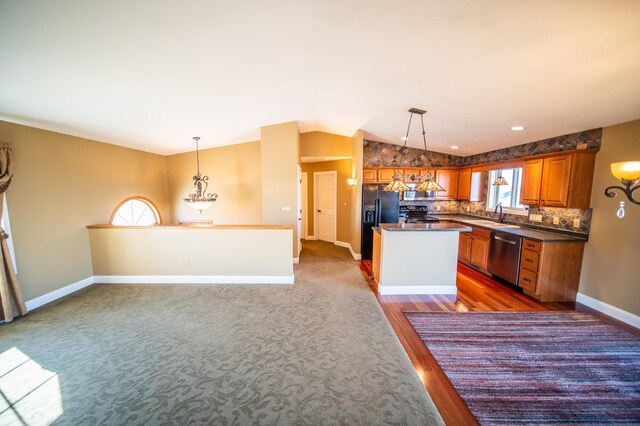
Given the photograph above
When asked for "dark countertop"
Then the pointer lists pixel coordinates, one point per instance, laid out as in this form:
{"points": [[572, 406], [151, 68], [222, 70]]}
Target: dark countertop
{"points": [[522, 231], [421, 227]]}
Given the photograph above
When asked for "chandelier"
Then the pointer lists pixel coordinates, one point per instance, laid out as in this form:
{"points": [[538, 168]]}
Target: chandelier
{"points": [[429, 184], [200, 199]]}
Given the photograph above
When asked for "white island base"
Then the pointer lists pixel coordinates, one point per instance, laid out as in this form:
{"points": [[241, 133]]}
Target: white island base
{"points": [[416, 258]]}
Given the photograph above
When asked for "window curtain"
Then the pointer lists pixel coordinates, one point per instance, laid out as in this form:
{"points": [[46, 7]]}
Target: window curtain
{"points": [[11, 301]]}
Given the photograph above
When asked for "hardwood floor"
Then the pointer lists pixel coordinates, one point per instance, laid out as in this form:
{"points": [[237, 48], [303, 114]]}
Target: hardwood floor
{"points": [[476, 292]]}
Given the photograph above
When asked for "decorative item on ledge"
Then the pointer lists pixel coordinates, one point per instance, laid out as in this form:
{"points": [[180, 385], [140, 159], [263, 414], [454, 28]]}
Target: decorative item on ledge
{"points": [[200, 199], [628, 172], [429, 184]]}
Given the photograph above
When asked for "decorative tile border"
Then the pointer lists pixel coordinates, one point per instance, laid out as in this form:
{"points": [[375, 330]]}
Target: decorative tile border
{"points": [[380, 154], [570, 142]]}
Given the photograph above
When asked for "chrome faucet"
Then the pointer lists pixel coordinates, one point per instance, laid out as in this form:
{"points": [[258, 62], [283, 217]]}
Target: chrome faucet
{"points": [[501, 217]]}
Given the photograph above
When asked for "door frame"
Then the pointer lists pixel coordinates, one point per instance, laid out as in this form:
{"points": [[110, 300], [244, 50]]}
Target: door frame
{"points": [[304, 183], [315, 203]]}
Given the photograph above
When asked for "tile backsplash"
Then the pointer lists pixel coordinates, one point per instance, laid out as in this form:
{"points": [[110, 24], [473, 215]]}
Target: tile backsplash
{"points": [[478, 208]]}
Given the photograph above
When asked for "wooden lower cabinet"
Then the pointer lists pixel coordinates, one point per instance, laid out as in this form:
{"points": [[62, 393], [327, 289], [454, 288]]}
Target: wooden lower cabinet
{"points": [[480, 242], [375, 257], [473, 247], [550, 271], [464, 247]]}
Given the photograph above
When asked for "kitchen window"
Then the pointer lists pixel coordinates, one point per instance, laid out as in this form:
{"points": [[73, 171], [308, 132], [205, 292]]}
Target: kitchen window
{"points": [[507, 195]]}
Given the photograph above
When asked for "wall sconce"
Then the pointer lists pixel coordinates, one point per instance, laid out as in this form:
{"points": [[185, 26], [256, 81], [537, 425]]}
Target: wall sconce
{"points": [[628, 172], [351, 181]]}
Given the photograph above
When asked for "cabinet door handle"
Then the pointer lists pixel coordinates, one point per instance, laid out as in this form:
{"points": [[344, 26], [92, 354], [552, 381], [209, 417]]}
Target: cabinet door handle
{"points": [[527, 280], [529, 260]]}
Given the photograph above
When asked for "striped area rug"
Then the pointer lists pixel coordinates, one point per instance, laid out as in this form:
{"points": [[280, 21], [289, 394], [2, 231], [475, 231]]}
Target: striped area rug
{"points": [[536, 367]]}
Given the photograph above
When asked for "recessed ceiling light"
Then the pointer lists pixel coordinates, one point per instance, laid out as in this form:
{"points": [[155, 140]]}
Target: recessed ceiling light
{"points": [[455, 147], [518, 128]]}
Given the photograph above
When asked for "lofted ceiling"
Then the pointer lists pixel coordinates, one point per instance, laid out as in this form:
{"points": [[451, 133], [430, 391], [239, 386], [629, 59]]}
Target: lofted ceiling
{"points": [[150, 74]]}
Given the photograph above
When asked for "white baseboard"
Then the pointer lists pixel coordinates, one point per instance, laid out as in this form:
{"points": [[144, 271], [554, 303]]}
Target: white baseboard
{"points": [[310, 237], [57, 294], [355, 255], [296, 259], [192, 279], [612, 311], [416, 289]]}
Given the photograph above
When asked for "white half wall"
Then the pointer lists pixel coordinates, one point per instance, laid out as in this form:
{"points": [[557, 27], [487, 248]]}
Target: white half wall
{"points": [[246, 254]]}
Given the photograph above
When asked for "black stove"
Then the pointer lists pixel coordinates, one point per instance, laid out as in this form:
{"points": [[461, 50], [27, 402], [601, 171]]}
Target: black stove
{"points": [[417, 214]]}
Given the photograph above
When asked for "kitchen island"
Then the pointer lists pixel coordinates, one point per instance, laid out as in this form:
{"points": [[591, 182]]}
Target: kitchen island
{"points": [[416, 258]]}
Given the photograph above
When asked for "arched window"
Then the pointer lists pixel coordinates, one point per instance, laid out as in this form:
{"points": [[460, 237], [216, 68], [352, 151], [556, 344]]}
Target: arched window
{"points": [[135, 211]]}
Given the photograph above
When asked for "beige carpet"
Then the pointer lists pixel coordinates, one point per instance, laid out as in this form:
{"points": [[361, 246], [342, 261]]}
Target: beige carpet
{"points": [[318, 352]]}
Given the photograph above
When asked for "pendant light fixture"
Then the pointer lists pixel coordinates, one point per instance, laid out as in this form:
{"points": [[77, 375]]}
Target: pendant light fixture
{"points": [[429, 184], [200, 199], [500, 180]]}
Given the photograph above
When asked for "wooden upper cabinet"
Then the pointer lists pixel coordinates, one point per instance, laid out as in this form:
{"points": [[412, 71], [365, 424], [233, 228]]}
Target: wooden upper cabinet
{"points": [[448, 179], [464, 183], [369, 175], [559, 180], [531, 179], [386, 175], [556, 175], [411, 172]]}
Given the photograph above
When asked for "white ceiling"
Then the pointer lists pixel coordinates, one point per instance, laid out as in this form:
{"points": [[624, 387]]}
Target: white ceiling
{"points": [[150, 74]]}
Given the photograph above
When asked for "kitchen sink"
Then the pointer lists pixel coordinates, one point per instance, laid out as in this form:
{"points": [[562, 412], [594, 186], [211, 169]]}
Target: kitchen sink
{"points": [[489, 223]]}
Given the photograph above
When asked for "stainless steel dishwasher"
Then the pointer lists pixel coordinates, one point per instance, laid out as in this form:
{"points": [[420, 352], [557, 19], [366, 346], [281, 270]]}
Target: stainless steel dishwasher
{"points": [[504, 256]]}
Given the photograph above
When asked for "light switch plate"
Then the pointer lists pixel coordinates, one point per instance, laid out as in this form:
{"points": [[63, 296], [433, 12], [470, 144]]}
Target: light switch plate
{"points": [[576, 223], [286, 209], [556, 220]]}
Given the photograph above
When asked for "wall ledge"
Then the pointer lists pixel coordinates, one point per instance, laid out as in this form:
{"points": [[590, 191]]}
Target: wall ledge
{"points": [[612, 311]]}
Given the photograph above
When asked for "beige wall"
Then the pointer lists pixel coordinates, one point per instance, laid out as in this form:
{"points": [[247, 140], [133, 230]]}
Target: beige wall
{"points": [[279, 160], [321, 144], [232, 255], [343, 220], [610, 265], [234, 174], [61, 184]]}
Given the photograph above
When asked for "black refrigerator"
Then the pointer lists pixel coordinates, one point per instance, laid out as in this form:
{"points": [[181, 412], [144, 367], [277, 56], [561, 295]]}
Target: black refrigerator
{"points": [[378, 207]]}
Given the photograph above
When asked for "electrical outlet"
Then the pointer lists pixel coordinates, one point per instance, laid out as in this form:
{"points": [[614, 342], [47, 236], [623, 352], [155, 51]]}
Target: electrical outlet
{"points": [[185, 262], [535, 217], [576, 223], [468, 209], [438, 208], [582, 146], [556, 220]]}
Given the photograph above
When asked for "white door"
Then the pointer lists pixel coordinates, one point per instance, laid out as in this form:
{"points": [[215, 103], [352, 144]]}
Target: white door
{"points": [[304, 212], [325, 190]]}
